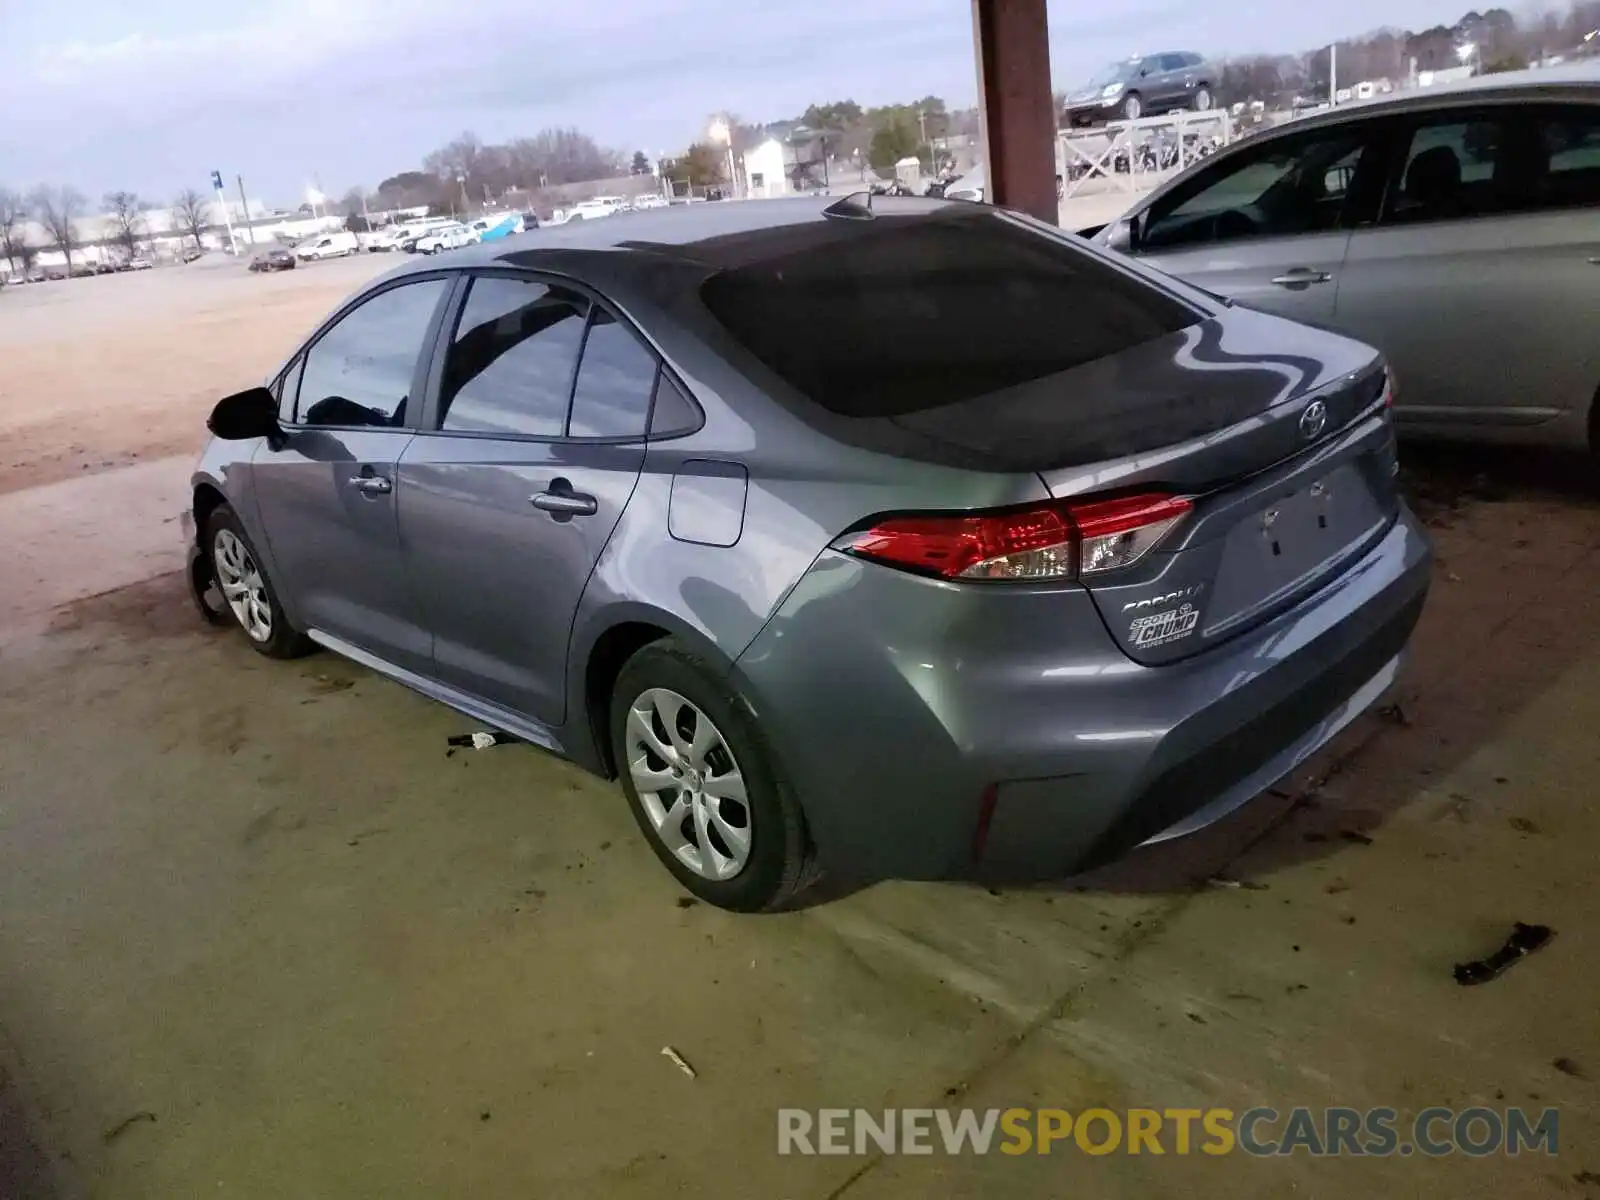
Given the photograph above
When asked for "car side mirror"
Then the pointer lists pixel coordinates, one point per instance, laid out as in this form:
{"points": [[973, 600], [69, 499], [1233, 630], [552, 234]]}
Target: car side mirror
{"points": [[251, 413]]}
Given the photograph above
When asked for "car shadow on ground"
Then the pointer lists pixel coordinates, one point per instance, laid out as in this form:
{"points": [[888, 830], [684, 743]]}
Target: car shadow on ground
{"points": [[26, 1172]]}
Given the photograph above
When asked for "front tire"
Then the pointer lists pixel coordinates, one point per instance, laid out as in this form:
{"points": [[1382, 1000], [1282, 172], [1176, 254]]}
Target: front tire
{"points": [[1202, 99], [1132, 107], [703, 785], [248, 592]]}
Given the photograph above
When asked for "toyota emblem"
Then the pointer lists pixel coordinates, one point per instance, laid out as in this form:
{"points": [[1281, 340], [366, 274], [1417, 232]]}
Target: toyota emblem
{"points": [[1313, 420]]}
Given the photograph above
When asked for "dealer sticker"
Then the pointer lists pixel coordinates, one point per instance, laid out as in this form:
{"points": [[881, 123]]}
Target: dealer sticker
{"points": [[1158, 629]]}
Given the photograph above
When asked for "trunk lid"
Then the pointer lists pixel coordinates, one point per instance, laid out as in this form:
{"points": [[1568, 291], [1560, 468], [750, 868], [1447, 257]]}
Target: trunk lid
{"points": [[1289, 492]]}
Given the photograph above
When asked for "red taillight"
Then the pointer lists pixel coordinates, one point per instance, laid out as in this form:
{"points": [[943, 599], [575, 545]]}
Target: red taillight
{"points": [[1056, 540], [1389, 387]]}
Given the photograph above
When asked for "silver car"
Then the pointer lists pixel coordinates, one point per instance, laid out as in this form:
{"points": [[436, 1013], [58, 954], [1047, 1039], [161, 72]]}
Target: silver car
{"points": [[898, 537], [1455, 228]]}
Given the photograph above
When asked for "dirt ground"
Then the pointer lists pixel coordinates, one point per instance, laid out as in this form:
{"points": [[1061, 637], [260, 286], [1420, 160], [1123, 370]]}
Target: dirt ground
{"points": [[101, 372], [261, 936]]}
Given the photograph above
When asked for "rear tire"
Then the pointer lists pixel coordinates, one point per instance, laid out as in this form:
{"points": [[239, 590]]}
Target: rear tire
{"points": [[719, 815], [248, 591]]}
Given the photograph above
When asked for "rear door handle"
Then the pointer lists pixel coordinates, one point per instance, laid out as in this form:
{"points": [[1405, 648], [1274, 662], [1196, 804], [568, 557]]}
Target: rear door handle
{"points": [[565, 503], [371, 485], [1301, 277]]}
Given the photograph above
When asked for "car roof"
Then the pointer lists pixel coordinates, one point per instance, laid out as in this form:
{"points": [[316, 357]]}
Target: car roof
{"points": [[1580, 80], [715, 235]]}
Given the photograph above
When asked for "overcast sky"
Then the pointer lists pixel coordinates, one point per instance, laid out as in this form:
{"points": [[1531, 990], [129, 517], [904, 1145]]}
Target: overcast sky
{"points": [[153, 95]]}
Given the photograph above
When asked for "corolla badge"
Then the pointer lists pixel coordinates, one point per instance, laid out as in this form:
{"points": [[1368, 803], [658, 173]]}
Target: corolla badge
{"points": [[1313, 420]]}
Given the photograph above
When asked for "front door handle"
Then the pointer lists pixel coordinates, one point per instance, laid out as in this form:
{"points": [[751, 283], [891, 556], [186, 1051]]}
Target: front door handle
{"points": [[562, 501], [371, 485], [1301, 277]]}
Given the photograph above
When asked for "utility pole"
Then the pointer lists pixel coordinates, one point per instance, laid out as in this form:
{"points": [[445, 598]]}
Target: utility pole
{"points": [[1333, 73], [244, 207], [222, 203]]}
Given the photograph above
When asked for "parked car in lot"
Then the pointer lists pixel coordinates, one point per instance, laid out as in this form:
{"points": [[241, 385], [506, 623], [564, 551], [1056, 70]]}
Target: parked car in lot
{"points": [[917, 540], [447, 237], [276, 259], [600, 206], [337, 244], [1457, 228], [1143, 86]]}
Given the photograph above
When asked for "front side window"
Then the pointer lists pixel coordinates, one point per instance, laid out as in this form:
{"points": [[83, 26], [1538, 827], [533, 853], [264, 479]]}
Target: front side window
{"points": [[1173, 62], [510, 366], [359, 373], [1296, 186]]}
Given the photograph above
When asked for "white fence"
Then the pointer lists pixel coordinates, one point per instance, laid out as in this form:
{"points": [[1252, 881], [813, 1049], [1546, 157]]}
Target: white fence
{"points": [[1133, 156]]}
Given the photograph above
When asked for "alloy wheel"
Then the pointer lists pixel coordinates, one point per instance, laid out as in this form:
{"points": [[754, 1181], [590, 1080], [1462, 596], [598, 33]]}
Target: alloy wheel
{"points": [[242, 584], [689, 784]]}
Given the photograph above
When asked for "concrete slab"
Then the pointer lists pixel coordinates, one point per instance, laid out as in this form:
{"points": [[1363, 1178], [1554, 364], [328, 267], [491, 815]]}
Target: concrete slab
{"points": [[81, 537], [258, 902]]}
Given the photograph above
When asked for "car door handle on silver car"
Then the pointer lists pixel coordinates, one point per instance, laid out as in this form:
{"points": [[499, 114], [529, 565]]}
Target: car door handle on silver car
{"points": [[562, 501], [1301, 277], [371, 485]]}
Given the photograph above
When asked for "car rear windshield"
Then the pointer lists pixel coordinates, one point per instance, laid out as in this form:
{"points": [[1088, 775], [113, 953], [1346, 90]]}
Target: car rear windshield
{"points": [[896, 315]]}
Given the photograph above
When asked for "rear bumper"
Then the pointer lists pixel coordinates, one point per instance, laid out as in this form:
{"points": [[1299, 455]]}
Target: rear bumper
{"points": [[896, 703]]}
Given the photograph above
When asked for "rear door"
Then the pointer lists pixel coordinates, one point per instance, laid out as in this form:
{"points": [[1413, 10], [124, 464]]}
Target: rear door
{"points": [[1480, 281], [328, 493], [1174, 80], [1269, 225], [534, 439]]}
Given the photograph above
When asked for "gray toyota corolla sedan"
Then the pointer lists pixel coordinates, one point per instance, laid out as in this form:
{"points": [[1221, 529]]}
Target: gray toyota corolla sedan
{"points": [[898, 538]]}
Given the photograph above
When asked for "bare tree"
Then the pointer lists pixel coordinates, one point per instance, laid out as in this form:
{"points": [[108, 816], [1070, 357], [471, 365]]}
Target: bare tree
{"points": [[58, 209], [127, 220], [13, 232], [190, 212]]}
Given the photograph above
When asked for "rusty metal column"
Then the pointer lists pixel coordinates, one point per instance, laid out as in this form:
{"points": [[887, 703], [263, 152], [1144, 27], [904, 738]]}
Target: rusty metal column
{"points": [[1019, 112]]}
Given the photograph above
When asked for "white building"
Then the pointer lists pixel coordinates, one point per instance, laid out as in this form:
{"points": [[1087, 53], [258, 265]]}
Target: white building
{"points": [[766, 170]]}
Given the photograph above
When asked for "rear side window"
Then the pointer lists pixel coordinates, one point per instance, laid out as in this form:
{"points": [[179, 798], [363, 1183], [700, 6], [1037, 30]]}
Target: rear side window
{"points": [[511, 363], [900, 315], [1567, 175], [1451, 171], [615, 379]]}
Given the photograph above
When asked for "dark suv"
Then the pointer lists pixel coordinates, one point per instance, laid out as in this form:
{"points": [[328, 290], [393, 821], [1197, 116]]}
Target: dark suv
{"points": [[1143, 86]]}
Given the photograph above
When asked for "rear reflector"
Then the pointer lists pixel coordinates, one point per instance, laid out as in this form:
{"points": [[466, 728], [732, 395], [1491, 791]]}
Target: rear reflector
{"points": [[1060, 539]]}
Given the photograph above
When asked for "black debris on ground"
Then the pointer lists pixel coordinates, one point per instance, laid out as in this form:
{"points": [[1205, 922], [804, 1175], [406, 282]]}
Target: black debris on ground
{"points": [[127, 1123], [1524, 940]]}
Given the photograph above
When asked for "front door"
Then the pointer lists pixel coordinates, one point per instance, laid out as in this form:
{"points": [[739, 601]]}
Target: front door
{"points": [[328, 495], [533, 447], [1268, 225]]}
